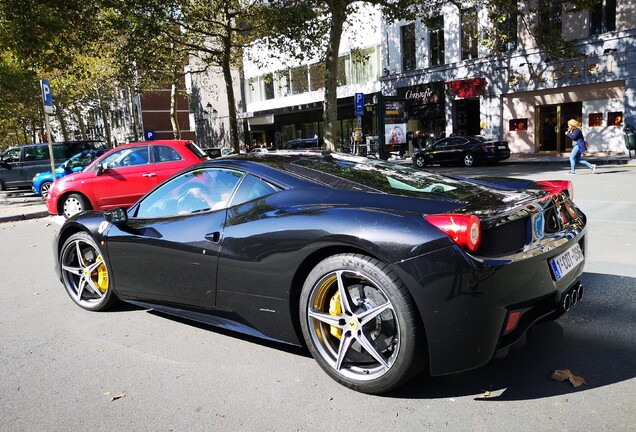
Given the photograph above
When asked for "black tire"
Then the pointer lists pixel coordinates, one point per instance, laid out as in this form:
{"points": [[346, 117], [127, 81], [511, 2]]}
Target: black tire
{"points": [[469, 160], [85, 274], [419, 162], [2, 186], [73, 204], [45, 187], [371, 341]]}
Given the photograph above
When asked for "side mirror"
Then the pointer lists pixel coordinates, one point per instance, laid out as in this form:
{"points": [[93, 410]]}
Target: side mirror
{"points": [[100, 169], [116, 216]]}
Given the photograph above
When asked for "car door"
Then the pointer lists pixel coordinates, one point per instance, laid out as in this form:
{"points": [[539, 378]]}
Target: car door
{"points": [[168, 250], [438, 152], [455, 149], [167, 161], [126, 176], [10, 164]]}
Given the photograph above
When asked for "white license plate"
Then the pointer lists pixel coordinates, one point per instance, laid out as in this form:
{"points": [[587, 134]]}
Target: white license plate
{"points": [[501, 147], [567, 261]]}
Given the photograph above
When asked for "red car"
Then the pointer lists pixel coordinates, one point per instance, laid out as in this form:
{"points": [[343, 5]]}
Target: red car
{"points": [[121, 176]]}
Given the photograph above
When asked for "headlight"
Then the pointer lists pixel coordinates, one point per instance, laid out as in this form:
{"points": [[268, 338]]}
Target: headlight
{"points": [[35, 176]]}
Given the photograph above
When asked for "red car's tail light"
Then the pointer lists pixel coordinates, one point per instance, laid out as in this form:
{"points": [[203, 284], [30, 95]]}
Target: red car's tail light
{"points": [[465, 230], [513, 320], [558, 186]]}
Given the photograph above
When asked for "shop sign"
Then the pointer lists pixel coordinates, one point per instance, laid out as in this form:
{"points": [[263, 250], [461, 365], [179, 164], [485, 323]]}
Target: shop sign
{"points": [[424, 94], [468, 88], [543, 73]]}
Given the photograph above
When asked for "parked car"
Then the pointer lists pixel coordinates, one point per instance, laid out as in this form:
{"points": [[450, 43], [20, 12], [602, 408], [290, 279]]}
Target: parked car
{"points": [[469, 150], [214, 153], [18, 165], [306, 144], [259, 150], [121, 176], [43, 181], [381, 270]]}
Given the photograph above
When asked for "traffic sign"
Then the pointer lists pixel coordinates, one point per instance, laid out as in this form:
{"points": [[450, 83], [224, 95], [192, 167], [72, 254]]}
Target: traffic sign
{"points": [[359, 104], [47, 97], [150, 135]]}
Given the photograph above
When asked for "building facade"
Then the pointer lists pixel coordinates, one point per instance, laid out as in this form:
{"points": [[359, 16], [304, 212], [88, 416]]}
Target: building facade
{"points": [[444, 80]]}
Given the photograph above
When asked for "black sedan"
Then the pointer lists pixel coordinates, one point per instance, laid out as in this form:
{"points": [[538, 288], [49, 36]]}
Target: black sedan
{"points": [[381, 270], [468, 150]]}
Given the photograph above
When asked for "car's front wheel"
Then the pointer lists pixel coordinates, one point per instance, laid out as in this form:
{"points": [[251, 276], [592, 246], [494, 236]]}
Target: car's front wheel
{"points": [[469, 159], [85, 274], [75, 203], [45, 187], [420, 162], [361, 324]]}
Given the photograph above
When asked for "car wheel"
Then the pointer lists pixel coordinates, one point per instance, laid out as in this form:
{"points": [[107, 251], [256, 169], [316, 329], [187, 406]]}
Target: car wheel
{"points": [[2, 186], [420, 162], [75, 203], [85, 274], [45, 187], [360, 323], [469, 160]]}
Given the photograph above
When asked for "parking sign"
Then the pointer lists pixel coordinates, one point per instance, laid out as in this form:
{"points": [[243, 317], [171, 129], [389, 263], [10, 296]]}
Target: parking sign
{"points": [[359, 104], [47, 97]]}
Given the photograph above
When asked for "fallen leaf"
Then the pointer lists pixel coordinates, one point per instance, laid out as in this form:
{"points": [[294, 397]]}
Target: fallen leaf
{"points": [[119, 396], [485, 395], [566, 374], [107, 393], [100, 350], [36, 293]]}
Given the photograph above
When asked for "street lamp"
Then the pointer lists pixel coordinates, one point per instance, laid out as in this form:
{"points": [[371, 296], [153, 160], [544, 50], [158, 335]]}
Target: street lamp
{"points": [[213, 114]]}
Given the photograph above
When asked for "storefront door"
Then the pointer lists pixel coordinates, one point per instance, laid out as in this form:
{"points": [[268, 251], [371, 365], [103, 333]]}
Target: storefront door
{"points": [[551, 124]]}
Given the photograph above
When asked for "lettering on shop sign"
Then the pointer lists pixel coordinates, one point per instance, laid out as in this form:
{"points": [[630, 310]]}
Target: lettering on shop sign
{"points": [[422, 94], [544, 74]]}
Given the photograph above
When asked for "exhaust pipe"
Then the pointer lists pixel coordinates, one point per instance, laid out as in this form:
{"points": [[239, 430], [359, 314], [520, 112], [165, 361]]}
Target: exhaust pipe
{"points": [[574, 296], [567, 302]]}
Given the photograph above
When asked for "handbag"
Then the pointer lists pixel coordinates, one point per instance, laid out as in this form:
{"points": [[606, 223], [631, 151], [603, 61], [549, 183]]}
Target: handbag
{"points": [[587, 146]]}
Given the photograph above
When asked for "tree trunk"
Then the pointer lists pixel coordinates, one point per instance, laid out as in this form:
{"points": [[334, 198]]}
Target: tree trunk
{"points": [[231, 101], [60, 105], [174, 117], [330, 107], [133, 114], [103, 108], [80, 122]]}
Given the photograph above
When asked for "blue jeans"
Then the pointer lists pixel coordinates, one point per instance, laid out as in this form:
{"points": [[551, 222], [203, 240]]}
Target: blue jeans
{"points": [[575, 157]]}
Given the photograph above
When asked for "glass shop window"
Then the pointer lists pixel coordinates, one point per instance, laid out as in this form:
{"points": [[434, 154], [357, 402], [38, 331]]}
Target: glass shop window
{"points": [[518, 125], [595, 119], [615, 118]]}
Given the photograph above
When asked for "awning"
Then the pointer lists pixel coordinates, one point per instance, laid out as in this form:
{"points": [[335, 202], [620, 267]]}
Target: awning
{"points": [[260, 120]]}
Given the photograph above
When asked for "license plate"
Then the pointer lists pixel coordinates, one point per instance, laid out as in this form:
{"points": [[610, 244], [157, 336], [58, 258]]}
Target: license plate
{"points": [[566, 262]]}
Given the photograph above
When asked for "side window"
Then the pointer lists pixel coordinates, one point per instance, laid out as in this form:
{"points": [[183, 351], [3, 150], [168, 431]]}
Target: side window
{"points": [[192, 192], [36, 153], [252, 188], [165, 154], [127, 157], [441, 144], [62, 152], [12, 155]]}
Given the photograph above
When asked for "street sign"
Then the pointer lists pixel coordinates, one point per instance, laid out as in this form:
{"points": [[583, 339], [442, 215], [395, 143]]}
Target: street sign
{"points": [[47, 97], [150, 135], [359, 104]]}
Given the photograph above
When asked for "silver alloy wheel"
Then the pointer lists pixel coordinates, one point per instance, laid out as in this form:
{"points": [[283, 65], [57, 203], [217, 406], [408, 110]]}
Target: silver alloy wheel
{"points": [[469, 159], [72, 205], [353, 325], [84, 272], [420, 162], [44, 188]]}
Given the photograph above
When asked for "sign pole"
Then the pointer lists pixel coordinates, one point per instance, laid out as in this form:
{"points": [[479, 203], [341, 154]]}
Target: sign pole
{"points": [[47, 105]]}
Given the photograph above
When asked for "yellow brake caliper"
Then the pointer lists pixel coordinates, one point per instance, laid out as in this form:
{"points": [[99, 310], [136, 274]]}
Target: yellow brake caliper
{"points": [[335, 310], [100, 275]]}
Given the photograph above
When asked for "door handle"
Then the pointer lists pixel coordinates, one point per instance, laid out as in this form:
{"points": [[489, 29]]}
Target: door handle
{"points": [[149, 175], [214, 237]]}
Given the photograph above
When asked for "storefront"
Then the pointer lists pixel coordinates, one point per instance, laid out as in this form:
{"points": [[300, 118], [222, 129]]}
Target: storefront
{"points": [[424, 110]]}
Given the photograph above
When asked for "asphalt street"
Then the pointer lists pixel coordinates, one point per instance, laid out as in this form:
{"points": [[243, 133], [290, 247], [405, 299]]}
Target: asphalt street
{"points": [[64, 368]]}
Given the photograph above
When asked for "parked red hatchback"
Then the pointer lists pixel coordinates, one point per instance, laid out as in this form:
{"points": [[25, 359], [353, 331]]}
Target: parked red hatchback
{"points": [[121, 176]]}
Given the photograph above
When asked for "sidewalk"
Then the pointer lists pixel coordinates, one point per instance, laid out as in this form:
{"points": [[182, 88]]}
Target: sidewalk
{"points": [[23, 205]]}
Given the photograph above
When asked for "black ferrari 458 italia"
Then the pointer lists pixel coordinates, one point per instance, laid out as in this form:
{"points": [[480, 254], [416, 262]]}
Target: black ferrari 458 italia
{"points": [[380, 270]]}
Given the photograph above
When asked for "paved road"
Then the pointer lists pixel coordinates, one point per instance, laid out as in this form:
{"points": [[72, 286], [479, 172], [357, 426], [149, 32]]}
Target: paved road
{"points": [[62, 366]]}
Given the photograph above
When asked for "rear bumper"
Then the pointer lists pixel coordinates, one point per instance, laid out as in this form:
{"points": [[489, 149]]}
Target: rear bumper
{"points": [[464, 303]]}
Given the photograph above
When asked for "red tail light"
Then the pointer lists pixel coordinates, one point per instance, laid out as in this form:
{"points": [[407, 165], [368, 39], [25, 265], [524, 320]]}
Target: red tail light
{"points": [[465, 230], [558, 186]]}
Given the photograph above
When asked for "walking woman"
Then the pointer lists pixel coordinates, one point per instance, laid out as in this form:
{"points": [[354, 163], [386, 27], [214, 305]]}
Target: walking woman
{"points": [[578, 146]]}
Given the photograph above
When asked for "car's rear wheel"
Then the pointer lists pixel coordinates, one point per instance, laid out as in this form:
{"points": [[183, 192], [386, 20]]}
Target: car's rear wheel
{"points": [[360, 323], [45, 187], [85, 274], [2, 186], [420, 162], [75, 203], [469, 160]]}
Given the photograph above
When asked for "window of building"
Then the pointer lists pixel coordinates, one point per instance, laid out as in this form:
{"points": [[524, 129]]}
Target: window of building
{"points": [[603, 17], [252, 90], [595, 119], [316, 76], [342, 70], [363, 66], [268, 85], [407, 33], [507, 28], [436, 40], [518, 125], [469, 34], [282, 84], [299, 80], [550, 21], [615, 118]]}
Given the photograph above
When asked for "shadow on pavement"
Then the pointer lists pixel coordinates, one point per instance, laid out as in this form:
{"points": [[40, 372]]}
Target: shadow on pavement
{"points": [[596, 340]]}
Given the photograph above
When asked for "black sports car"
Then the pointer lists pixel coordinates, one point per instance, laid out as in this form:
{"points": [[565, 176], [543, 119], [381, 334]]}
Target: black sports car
{"points": [[381, 270], [468, 150]]}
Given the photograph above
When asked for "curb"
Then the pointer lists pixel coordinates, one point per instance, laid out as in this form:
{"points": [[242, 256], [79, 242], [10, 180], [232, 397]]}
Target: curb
{"points": [[24, 216]]}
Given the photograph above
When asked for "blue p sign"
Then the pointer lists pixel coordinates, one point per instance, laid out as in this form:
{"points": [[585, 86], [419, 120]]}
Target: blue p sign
{"points": [[47, 98]]}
